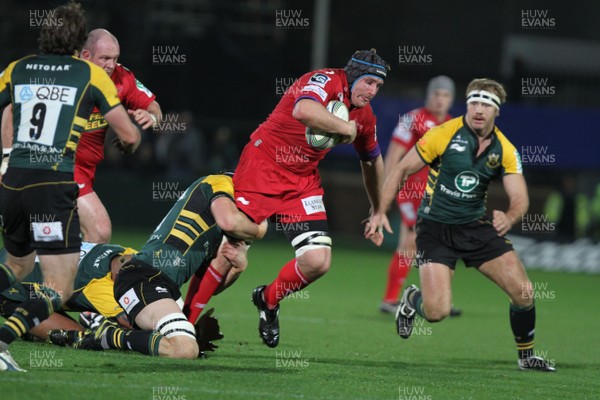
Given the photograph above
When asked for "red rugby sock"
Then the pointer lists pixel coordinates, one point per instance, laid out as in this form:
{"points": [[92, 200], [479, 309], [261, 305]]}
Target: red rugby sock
{"points": [[210, 282], [289, 280], [397, 273]]}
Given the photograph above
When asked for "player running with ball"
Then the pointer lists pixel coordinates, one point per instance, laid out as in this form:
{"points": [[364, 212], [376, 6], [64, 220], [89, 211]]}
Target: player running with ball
{"points": [[464, 155], [267, 184]]}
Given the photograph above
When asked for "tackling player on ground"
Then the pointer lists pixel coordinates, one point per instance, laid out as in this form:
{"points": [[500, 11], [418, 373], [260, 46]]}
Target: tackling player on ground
{"points": [[52, 95], [464, 155], [268, 184], [93, 289], [188, 241], [411, 127]]}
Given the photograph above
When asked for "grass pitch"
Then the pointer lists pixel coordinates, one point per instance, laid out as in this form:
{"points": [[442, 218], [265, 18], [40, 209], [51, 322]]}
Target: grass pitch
{"points": [[335, 344]]}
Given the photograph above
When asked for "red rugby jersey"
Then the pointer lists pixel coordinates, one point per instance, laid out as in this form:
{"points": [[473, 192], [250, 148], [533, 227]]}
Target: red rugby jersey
{"points": [[282, 137], [411, 127], [133, 95]]}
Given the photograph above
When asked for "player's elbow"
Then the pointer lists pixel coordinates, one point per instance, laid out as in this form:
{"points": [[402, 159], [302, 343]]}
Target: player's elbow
{"points": [[131, 138], [301, 111], [227, 222]]}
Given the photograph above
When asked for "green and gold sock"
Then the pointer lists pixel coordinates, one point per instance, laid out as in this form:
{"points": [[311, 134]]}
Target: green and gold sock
{"points": [[522, 322]]}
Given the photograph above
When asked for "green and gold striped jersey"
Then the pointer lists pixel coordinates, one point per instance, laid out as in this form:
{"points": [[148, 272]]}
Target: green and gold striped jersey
{"points": [[52, 99], [188, 238], [458, 179]]}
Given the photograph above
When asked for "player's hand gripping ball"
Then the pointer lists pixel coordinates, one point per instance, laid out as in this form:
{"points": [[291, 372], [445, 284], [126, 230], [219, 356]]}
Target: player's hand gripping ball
{"points": [[320, 140]]}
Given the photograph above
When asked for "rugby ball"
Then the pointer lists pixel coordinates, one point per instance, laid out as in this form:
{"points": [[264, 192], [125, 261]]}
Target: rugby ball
{"points": [[322, 140]]}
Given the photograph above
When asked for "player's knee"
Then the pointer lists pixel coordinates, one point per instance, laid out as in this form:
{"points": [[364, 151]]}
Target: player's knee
{"points": [[317, 261], [179, 337], [435, 313], [313, 252], [181, 347], [523, 294], [436, 316]]}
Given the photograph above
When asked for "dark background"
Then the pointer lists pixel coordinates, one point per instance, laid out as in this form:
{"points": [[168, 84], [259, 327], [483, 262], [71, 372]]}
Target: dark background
{"points": [[234, 57]]}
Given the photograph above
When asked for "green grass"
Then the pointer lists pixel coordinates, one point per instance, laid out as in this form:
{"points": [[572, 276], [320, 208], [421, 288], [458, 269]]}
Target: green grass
{"points": [[341, 347]]}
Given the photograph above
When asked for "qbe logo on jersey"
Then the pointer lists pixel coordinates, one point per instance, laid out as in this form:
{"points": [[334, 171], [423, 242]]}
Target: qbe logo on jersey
{"points": [[40, 110], [466, 181]]}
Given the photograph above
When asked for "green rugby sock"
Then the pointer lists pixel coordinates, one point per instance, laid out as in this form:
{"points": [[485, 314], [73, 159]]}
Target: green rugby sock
{"points": [[417, 302], [30, 313], [145, 342]]}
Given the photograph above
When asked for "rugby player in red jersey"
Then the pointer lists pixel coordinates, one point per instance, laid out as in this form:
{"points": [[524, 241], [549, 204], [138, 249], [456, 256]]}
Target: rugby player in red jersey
{"points": [[269, 182], [411, 127], [102, 49]]}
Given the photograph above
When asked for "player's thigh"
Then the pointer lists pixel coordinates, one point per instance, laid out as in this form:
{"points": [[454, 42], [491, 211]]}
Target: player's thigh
{"points": [[508, 273], [154, 312], [436, 288], [94, 219], [59, 272]]}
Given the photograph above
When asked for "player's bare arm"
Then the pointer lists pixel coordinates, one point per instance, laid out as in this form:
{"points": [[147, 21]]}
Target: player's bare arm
{"points": [[394, 154], [233, 222], [373, 176], [148, 117], [410, 164], [315, 116], [7, 127], [516, 189], [128, 134]]}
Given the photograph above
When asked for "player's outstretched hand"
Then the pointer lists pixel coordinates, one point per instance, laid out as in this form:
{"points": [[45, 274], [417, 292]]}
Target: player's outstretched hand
{"points": [[207, 331], [501, 222], [374, 228]]}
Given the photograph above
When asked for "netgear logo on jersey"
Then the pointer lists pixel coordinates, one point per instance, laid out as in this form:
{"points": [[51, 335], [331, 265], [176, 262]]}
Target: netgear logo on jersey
{"points": [[54, 93], [466, 182]]}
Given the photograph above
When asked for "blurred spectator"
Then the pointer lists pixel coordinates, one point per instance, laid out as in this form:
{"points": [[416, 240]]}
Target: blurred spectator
{"points": [[595, 214], [224, 153], [568, 210], [181, 146]]}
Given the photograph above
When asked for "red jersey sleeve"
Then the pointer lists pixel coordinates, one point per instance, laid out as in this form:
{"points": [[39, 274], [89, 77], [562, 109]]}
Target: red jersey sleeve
{"points": [[366, 144], [322, 86], [135, 95]]}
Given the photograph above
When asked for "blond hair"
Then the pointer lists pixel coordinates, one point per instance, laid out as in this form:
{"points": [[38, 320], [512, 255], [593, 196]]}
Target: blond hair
{"points": [[490, 85]]}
